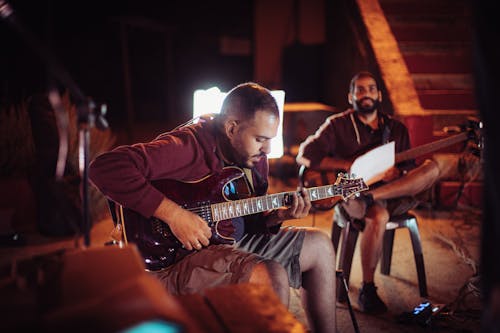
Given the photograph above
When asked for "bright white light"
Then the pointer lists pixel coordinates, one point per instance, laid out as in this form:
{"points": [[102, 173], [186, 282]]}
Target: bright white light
{"points": [[277, 142], [210, 101], [207, 101]]}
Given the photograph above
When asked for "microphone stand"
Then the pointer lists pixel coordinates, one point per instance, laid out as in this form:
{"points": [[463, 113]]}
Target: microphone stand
{"points": [[87, 117], [340, 275]]}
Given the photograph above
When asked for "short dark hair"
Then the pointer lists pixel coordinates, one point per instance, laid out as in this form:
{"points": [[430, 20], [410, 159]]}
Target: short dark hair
{"points": [[361, 75], [247, 98]]}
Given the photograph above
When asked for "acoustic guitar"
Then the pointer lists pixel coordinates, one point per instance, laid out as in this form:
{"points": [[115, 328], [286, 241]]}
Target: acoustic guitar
{"points": [[311, 177]]}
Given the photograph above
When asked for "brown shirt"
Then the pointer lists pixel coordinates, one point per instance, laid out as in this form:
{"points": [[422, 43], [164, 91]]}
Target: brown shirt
{"points": [[344, 136]]}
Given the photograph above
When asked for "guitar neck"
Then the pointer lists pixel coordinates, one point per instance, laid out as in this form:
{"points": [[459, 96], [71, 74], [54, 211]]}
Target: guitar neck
{"points": [[430, 147], [237, 208]]}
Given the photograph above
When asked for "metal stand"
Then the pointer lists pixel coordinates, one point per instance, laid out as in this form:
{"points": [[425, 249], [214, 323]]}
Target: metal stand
{"points": [[87, 118], [340, 275]]}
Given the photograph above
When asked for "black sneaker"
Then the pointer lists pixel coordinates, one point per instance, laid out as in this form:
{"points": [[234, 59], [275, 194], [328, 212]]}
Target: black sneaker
{"points": [[368, 300]]}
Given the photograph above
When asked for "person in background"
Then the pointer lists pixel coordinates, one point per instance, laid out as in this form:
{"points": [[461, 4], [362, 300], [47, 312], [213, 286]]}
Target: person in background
{"points": [[334, 147]]}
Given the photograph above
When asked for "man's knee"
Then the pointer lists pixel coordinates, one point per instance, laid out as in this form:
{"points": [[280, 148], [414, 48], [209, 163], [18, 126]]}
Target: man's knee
{"points": [[316, 236], [377, 216], [446, 164], [318, 242], [269, 272], [425, 175]]}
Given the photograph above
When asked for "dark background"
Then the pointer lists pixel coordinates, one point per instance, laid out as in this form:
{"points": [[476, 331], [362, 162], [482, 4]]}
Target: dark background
{"points": [[173, 50]]}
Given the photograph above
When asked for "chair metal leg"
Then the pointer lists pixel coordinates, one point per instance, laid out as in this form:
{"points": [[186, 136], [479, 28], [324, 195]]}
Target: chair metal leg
{"points": [[349, 239], [336, 231], [343, 283], [419, 258], [387, 246]]}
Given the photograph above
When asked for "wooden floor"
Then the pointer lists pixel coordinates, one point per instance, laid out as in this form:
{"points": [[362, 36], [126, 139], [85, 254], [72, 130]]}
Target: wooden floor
{"points": [[450, 241]]}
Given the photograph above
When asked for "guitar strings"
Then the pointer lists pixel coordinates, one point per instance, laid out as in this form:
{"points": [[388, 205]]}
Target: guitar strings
{"points": [[207, 207]]}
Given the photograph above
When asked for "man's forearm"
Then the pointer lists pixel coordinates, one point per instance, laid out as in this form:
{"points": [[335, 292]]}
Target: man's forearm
{"points": [[166, 210]]}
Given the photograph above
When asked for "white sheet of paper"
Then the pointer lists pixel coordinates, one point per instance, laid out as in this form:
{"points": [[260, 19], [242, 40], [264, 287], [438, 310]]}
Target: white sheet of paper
{"points": [[372, 165]]}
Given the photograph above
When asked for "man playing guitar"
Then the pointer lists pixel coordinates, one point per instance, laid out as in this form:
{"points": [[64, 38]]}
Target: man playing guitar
{"points": [[345, 136], [239, 137]]}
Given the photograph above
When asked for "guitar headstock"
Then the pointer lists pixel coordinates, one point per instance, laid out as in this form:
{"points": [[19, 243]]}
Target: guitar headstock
{"points": [[350, 185]]}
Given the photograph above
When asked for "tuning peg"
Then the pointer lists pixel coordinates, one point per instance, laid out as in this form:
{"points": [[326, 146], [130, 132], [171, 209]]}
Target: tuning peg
{"points": [[357, 195]]}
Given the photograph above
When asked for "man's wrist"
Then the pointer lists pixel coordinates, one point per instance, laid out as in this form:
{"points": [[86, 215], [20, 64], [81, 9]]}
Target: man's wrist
{"points": [[274, 218]]}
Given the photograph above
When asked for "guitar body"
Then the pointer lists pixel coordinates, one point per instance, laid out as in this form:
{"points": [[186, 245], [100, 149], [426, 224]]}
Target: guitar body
{"points": [[158, 246], [219, 199]]}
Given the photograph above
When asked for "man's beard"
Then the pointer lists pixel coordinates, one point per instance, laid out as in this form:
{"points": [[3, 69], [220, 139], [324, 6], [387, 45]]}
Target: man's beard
{"points": [[240, 158], [359, 107]]}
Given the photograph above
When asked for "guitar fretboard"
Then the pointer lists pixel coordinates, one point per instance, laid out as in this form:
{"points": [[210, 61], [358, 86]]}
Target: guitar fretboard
{"points": [[231, 209], [430, 147]]}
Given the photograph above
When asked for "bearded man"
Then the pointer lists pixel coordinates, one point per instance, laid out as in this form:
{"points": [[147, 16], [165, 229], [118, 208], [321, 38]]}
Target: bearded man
{"points": [[334, 147]]}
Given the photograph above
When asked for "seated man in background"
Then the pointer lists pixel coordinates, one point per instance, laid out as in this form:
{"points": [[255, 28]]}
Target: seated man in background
{"points": [[238, 138], [334, 147]]}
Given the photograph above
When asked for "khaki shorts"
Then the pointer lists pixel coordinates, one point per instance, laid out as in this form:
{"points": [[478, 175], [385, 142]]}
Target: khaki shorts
{"points": [[229, 264], [283, 247]]}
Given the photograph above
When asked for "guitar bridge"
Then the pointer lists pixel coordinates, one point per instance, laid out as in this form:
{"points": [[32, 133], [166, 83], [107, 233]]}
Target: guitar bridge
{"points": [[160, 228]]}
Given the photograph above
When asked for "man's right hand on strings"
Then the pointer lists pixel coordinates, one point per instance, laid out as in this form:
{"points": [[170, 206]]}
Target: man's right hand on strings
{"points": [[190, 229]]}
